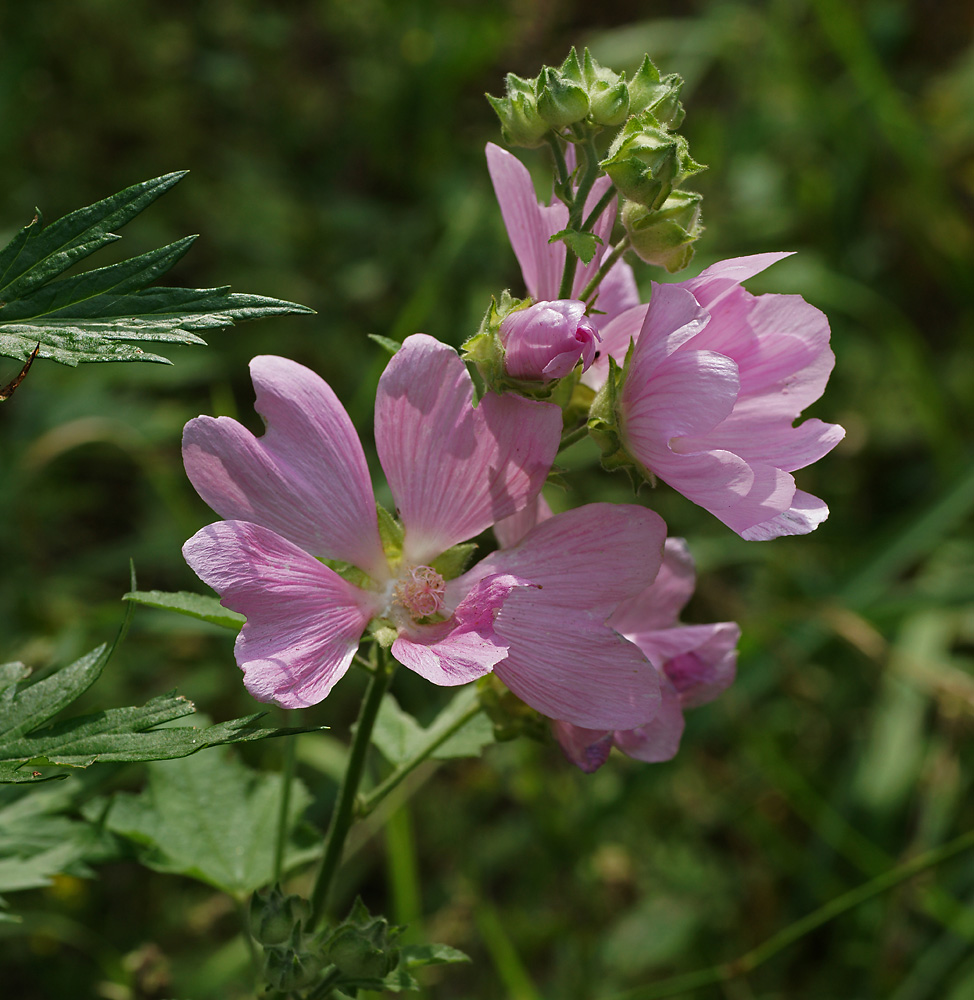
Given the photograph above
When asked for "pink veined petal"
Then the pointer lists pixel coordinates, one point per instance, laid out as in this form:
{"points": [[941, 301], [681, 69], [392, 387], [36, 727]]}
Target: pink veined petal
{"points": [[304, 622], [587, 557], [305, 478], [673, 318], [686, 394], [567, 664], [758, 438], [617, 292], [712, 284], [587, 749], [455, 470], [659, 605], [528, 224], [659, 739], [511, 530], [465, 646], [805, 514]]}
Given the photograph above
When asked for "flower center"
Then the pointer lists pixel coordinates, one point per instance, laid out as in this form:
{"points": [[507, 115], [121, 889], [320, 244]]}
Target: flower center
{"points": [[420, 591]]}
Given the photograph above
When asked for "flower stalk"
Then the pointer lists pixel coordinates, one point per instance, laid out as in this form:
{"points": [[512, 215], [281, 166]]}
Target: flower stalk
{"points": [[344, 812]]}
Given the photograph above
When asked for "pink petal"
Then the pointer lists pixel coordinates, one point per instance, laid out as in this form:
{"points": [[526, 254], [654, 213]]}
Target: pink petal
{"points": [[455, 470], [566, 664], [617, 334], [587, 749], [658, 606], [305, 478], [511, 530], [304, 622], [528, 226], [712, 284], [805, 514], [587, 557], [659, 739], [617, 292]]}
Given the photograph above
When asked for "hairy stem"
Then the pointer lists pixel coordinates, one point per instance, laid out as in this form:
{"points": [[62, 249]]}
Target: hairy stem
{"points": [[287, 777], [343, 813]]}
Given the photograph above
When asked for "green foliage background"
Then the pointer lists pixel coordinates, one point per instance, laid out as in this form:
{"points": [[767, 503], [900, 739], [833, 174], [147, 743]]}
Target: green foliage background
{"points": [[336, 158]]}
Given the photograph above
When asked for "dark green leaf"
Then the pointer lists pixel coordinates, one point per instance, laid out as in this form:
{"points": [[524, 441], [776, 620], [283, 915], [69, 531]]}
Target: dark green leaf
{"points": [[84, 317]]}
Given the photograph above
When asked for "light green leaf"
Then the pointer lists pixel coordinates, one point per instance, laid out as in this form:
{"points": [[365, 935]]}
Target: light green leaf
{"points": [[400, 738], [86, 317], [415, 956], [212, 819], [583, 245], [205, 608]]}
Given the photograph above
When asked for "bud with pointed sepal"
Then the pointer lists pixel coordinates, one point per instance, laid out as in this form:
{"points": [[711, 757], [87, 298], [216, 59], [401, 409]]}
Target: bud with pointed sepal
{"points": [[659, 96], [521, 125], [665, 237], [561, 101], [647, 161]]}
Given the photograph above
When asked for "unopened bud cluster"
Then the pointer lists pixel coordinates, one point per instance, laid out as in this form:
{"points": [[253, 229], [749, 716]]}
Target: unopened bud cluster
{"points": [[647, 161]]}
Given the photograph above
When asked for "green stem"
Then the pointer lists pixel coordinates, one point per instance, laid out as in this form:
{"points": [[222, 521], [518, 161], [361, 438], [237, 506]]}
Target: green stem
{"points": [[343, 813], [368, 802], [560, 165], [603, 203], [577, 206], [793, 932], [287, 777], [617, 251], [572, 436]]}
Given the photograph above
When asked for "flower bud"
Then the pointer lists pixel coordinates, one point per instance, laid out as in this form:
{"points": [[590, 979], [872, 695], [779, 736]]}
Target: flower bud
{"points": [[646, 161], [521, 125], [547, 340], [561, 101], [274, 916], [665, 237], [660, 97], [610, 105]]}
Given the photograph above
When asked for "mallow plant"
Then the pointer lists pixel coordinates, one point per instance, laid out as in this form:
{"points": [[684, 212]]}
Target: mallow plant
{"points": [[566, 625]]}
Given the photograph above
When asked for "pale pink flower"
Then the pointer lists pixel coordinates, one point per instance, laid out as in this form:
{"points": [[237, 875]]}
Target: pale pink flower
{"points": [[696, 663], [530, 225], [301, 494], [546, 340], [716, 380]]}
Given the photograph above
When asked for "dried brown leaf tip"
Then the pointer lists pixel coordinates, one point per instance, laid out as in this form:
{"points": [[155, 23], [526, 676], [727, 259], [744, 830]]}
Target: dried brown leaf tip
{"points": [[11, 387]]}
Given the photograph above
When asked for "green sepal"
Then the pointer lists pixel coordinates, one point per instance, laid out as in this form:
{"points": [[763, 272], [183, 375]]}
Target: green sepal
{"points": [[391, 534], [348, 572], [454, 561], [583, 245], [648, 92]]}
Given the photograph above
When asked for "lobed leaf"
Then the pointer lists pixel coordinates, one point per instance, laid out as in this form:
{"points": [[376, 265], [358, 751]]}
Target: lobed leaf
{"points": [[81, 318]]}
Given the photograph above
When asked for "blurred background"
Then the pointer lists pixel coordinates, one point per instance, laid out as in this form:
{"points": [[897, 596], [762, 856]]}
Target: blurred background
{"points": [[336, 157]]}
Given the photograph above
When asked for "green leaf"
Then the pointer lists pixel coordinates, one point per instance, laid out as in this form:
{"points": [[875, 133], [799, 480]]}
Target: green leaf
{"points": [[400, 738], [119, 735], [583, 245], [89, 316], [415, 956], [386, 343], [205, 608], [212, 819]]}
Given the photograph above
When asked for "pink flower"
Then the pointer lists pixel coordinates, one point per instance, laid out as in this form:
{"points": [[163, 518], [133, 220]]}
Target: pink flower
{"points": [[546, 340], [697, 663], [716, 380], [530, 225], [299, 497]]}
